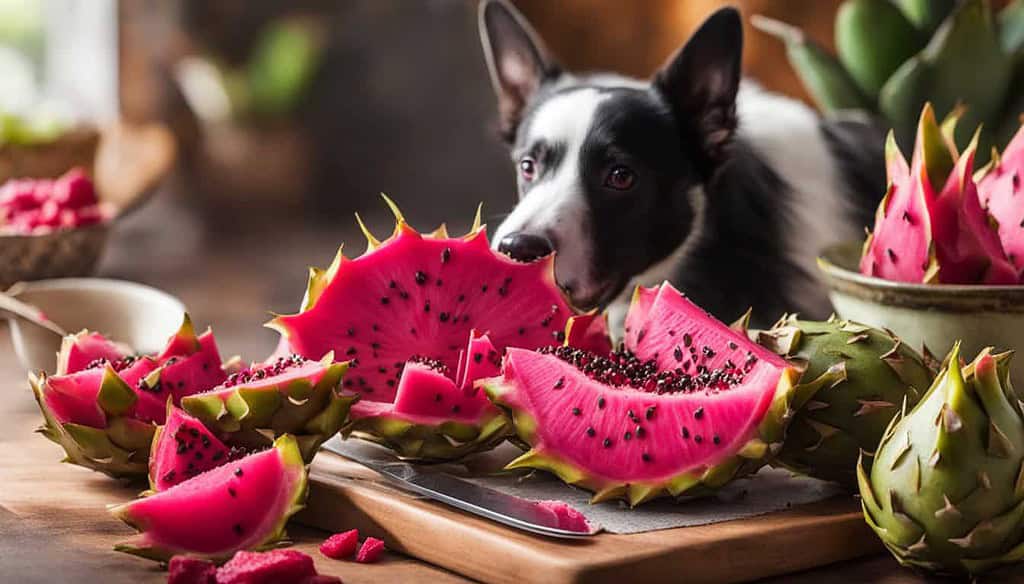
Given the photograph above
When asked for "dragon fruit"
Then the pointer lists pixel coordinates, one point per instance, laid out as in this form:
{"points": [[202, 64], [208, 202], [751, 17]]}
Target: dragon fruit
{"points": [[183, 448], [238, 506], [685, 406], [407, 307], [1000, 188], [924, 237], [290, 395], [116, 438], [81, 349], [865, 375], [945, 490]]}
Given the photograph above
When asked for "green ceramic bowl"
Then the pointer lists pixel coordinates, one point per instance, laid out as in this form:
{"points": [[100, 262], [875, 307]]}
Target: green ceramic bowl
{"points": [[927, 315]]}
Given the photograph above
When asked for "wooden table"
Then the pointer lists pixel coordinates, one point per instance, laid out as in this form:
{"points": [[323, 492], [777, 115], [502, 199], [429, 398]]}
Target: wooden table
{"points": [[53, 520]]}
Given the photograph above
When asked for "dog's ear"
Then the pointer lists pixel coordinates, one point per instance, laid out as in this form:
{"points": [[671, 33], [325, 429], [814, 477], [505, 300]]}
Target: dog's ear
{"points": [[701, 80], [516, 59]]}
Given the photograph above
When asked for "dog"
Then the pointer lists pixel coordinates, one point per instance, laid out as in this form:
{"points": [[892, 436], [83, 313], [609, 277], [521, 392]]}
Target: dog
{"points": [[726, 190]]}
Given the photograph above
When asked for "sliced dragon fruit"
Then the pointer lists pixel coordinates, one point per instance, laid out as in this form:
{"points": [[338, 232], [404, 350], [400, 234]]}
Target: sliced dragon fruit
{"points": [[420, 296], [1001, 193], [924, 237], [237, 506], [686, 406], [84, 348], [86, 414], [183, 448], [291, 395], [189, 364]]}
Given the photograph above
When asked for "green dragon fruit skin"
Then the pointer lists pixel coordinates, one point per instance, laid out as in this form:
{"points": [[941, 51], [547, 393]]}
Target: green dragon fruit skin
{"points": [[921, 236], [421, 295], [945, 490], [244, 504], [1001, 193], [624, 435], [865, 375]]}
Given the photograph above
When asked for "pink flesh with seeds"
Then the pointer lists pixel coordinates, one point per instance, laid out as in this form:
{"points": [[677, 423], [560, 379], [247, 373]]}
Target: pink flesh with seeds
{"points": [[421, 296], [234, 511], [1002, 193], [311, 371], [151, 406], [480, 360], [184, 450], [72, 398], [86, 348], [195, 372]]}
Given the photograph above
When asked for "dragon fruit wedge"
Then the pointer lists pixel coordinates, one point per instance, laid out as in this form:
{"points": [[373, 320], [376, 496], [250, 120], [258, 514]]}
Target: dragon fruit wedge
{"points": [[925, 236], [182, 449], [945, 489], [106, 403], [404, 312], [999, 187], [242, 505], [684, 407], [865, 374], [289, 395]]}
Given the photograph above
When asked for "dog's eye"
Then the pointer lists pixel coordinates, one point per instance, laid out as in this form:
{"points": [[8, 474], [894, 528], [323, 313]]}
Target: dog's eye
{"points": [[528, 168], [620, 178]]}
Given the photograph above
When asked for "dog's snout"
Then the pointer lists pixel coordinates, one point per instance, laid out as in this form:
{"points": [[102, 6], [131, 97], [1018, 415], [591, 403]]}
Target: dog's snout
{"points": [[525, 247]]}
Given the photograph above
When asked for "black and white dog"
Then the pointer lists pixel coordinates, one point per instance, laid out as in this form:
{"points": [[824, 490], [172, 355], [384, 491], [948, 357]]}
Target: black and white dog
{"points": [[727, 191]]}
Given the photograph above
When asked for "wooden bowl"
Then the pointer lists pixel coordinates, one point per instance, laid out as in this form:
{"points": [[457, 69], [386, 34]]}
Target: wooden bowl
{"points": [[129, 163], [932, 315]]}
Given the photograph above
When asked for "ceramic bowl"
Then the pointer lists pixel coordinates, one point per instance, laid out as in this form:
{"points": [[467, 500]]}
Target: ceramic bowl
{"points": [[934, 316], [137, 315]]}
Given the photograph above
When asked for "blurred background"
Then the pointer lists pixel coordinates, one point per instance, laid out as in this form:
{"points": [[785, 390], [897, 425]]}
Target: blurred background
{"points": [[290, 116]]}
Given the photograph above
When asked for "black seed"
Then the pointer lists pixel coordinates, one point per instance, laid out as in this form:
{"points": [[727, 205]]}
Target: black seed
{"points": [[645, 457], [390, 382], [238, 472], [575, 411], [351, 351], [446, 255], [403, 294], [522, 331], [687, 339], [421, 278], [559, 336], [627, 435], [698, 413], [232, 492], [439, 282], [238, 529], [437, 397], [478, 357], [392, 284], [351, 331], [443, 316], [607, 443], [686, 433], [891, 254], [639, 431], [732, 346], [561, 383], [716, 439], [217, 455], [385, 300], [600, 403], [698, 439], [483, 288], [678, 354], [591, 432], [906, 217], [461, 298], [650, 412], [426, 306], [456, 408]]}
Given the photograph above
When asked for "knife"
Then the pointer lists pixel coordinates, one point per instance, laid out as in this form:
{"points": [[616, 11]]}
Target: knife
{"points": [[488, 503]]}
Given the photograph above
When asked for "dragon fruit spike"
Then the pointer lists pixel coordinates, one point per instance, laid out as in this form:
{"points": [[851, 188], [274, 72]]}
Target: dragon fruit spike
{"points": [[410, 304]]}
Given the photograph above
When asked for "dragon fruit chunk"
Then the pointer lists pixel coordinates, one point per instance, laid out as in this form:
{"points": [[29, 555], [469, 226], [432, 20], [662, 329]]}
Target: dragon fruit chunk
{"points": [[189, 570], [370, 551], [241, 505], [183, 448], [686, 406], [341, 545], [420, 296], [270, 567], [79, 350]]}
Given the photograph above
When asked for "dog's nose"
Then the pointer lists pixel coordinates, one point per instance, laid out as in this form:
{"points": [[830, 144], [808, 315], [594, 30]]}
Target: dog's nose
{"points": [[525, 247]]}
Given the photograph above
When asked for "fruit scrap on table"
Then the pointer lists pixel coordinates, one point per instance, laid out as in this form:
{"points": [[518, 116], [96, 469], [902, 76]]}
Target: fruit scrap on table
{"points": [[931, 226], [945, 490], [39, 206], [270, 567]]}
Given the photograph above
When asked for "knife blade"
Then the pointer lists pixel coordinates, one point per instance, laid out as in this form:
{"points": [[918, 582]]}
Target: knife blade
{"points": [[461, 494]]}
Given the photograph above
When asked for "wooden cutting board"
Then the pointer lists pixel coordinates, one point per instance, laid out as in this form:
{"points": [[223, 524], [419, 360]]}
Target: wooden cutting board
{"points": [[347, 495]]}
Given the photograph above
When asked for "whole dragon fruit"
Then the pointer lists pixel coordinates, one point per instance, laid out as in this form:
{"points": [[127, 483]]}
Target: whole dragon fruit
{"points": [[999, 187], [945, 490], [865, 375], [926, 236], [404, 314], [687, 405]]}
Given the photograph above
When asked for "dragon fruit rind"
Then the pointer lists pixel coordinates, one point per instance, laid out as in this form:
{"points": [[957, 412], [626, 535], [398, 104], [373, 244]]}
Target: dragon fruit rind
{"points": [[685, 406], [404, 311], [926, 236], [289, 395], [242, 505], [1001, 193]]}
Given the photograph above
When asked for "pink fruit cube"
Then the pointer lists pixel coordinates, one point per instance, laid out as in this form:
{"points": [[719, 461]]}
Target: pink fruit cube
{"points": [[74, 190], [190, 570], [272, 567], [370, 551], [341, 545]]}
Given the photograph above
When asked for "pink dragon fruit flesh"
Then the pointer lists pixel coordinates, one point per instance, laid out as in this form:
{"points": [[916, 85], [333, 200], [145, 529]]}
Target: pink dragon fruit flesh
{"points": [[1002, 194], [183, 448], [115, 436], [686, 405], [924, 236], [290, 395], [242, 505], [406, 308]]}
